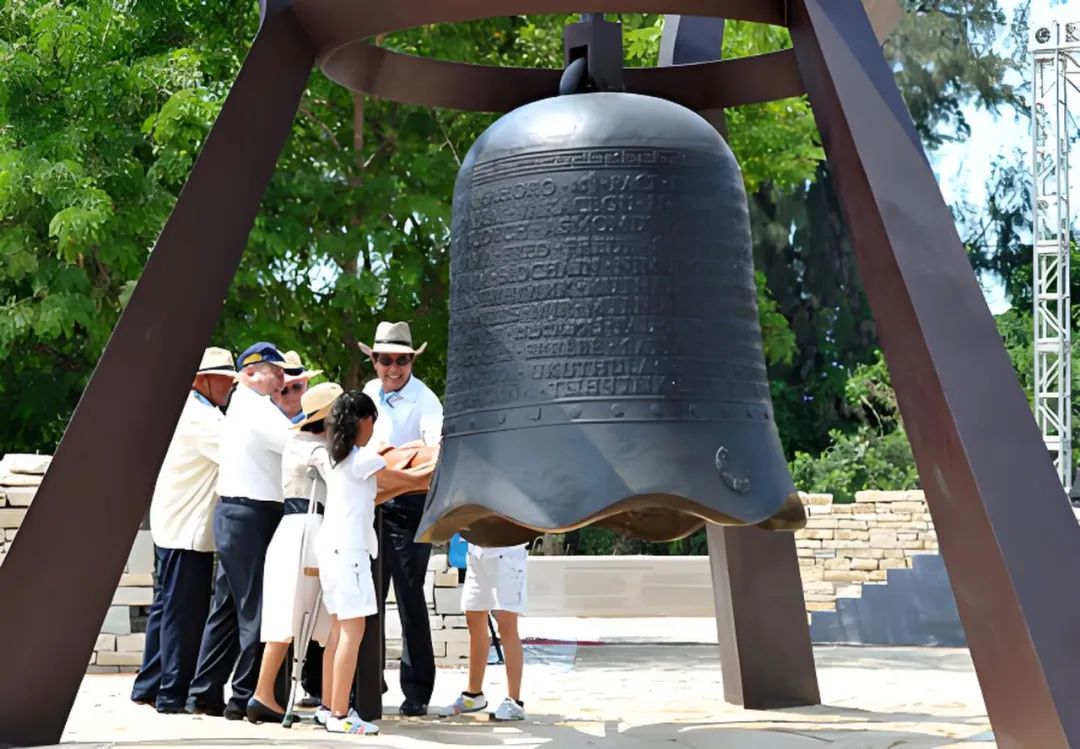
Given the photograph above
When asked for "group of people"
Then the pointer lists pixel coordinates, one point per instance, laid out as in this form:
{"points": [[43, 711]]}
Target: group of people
{"points": [[263, 521]]}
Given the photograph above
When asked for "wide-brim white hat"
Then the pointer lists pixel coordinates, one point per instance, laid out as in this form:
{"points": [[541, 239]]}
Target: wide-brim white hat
{"points": [[294, 368], [217, 361], [392, 338], [317, 402]]}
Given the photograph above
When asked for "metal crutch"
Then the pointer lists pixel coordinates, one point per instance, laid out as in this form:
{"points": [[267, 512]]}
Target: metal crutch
{"points": [[310, 618]]}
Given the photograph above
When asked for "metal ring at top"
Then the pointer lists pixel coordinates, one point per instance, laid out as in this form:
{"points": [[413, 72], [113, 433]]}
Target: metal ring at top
{"points": [[486, 88], [334, 23]]}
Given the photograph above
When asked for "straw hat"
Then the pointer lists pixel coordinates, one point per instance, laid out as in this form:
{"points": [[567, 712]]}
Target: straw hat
{"points": [[217, 361], [294, 369], [392, 338], [317, 402]]}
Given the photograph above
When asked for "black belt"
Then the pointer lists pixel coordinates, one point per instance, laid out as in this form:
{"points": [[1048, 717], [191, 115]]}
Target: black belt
{"points": [[247, 502], [299, 506]]}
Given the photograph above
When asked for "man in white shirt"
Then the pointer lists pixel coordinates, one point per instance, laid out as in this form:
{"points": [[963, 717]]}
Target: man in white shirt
{"points": [[253, 436], [408, 411], [181, 514], [296, 384]]}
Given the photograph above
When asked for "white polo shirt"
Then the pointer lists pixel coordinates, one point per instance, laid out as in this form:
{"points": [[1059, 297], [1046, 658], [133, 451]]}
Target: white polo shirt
{"points": [[349, 522], [253, 437], [406, 415], [182, 509]]}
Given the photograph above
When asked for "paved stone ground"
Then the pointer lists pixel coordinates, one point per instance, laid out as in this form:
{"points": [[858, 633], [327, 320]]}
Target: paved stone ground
{"points": [[615, 696]]}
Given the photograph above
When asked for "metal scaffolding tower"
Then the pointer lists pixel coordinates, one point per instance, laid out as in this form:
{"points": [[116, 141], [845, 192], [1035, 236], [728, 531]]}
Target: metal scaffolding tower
{"points": [[1055, 46]]}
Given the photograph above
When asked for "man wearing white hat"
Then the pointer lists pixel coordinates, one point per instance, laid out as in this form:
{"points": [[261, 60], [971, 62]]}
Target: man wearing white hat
{"points": [[297, 379], [408, 412], [181, 524], [254, 434]]}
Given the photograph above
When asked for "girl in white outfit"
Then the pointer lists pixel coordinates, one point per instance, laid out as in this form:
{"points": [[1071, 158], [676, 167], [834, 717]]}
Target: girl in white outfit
{"points": [[346, 545]]}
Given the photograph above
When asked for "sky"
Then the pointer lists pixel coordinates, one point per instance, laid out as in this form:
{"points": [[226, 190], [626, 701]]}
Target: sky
{"points": [[963, 168]]}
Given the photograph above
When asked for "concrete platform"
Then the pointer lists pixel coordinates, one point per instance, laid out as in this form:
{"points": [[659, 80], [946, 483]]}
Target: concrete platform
{"points": [[616, 696]]}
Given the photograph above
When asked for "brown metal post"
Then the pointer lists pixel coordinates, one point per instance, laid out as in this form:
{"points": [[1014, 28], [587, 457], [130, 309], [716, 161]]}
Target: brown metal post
{"points": [[765, 652], [371, 660], [61, 573], [1006, 532]]}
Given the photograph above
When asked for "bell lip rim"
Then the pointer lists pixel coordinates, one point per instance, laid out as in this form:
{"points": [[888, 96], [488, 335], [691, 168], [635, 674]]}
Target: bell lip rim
{"points": [[425, 532]]}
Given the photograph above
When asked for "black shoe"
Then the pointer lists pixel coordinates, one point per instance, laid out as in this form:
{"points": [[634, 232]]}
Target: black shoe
{"points": [[412, 709], [166, 709], [385, 688], [234, 712], [194, 707], [257, 713]]}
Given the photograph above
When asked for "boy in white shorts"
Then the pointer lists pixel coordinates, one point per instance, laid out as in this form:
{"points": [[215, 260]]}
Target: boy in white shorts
{"points": [[495, 581]]}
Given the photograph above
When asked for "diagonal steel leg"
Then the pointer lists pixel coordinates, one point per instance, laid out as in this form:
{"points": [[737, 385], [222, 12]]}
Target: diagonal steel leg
{"points": [[60, 575], [765, 653], [1006, 532]]}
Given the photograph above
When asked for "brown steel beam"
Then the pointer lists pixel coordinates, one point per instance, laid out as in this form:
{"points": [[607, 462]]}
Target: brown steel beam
{"points": [[333, 23], [1007, 534], [61, 572], [766, 657], [428, 82], [765, 654]]}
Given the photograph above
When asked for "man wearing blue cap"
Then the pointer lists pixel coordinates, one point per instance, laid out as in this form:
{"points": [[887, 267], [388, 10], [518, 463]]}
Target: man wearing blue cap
{"points": [[253, 437]]}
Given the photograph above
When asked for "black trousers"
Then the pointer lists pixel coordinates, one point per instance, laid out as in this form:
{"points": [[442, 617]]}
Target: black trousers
{"points": [[242, 531], [182, 588], [405, 562]]}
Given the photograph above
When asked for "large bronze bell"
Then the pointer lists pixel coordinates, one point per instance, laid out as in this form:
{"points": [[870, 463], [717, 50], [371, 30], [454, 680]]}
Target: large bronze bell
{"points": [[605, 361]]}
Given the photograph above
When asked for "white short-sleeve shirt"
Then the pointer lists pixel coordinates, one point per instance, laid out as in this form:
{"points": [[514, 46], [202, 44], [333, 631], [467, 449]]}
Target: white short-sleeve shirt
{"points": [[182, 510], [305, 453], [349, 519], [406, 415], [253, 437]]}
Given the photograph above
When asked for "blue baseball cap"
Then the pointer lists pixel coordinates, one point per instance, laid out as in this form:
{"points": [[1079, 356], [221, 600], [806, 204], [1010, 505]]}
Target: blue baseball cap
{"points": [[260, 352]]}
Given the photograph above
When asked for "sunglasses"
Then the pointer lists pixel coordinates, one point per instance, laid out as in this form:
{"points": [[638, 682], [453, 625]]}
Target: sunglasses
{"points": [[296, 387], [401, 361]]}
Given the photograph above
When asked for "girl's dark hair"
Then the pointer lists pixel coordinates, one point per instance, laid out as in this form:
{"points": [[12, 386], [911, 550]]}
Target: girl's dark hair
{"points": [[315, 427], [344, 420]]}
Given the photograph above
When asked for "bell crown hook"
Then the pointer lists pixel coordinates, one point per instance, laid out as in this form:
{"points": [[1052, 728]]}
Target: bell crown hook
{"points": [[592, 56]]}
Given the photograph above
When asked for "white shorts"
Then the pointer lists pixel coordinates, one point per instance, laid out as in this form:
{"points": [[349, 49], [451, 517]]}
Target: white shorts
{"points": [[348, 589], [496, 582]]}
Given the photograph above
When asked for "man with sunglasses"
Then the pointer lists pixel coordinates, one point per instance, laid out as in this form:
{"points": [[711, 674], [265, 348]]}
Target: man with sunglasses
{"points": [[408, 412], [296, 384]]}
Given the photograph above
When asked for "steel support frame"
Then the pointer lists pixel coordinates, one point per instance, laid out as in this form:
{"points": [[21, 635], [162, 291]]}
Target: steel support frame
{"points": [[1006, 534], [1055, 70]]}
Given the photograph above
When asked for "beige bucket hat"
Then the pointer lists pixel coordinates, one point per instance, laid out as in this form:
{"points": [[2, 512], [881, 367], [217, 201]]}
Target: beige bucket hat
{"points": [[317, 402]]}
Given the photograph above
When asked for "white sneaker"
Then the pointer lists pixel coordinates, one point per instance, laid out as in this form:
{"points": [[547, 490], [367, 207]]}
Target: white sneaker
{"points": [[509, 710], [322, 714], [351, 723], [464, 704]]}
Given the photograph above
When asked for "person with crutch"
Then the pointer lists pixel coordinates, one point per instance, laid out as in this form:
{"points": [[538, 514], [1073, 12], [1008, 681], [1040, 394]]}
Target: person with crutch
{"points": [[289, 594]]}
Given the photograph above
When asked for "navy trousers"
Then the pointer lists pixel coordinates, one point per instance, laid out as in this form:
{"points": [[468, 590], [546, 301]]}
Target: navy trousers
{"points": [[242, 531], [405, 562], [182, 587], [218, 651]]}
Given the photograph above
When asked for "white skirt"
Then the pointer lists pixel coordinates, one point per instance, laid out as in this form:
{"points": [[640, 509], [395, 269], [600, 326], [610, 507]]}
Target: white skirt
{"points": [[287, 592]]}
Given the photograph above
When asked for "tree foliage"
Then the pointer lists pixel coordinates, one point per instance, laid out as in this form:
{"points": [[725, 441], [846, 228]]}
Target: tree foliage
{"points": [[104, 106]]}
